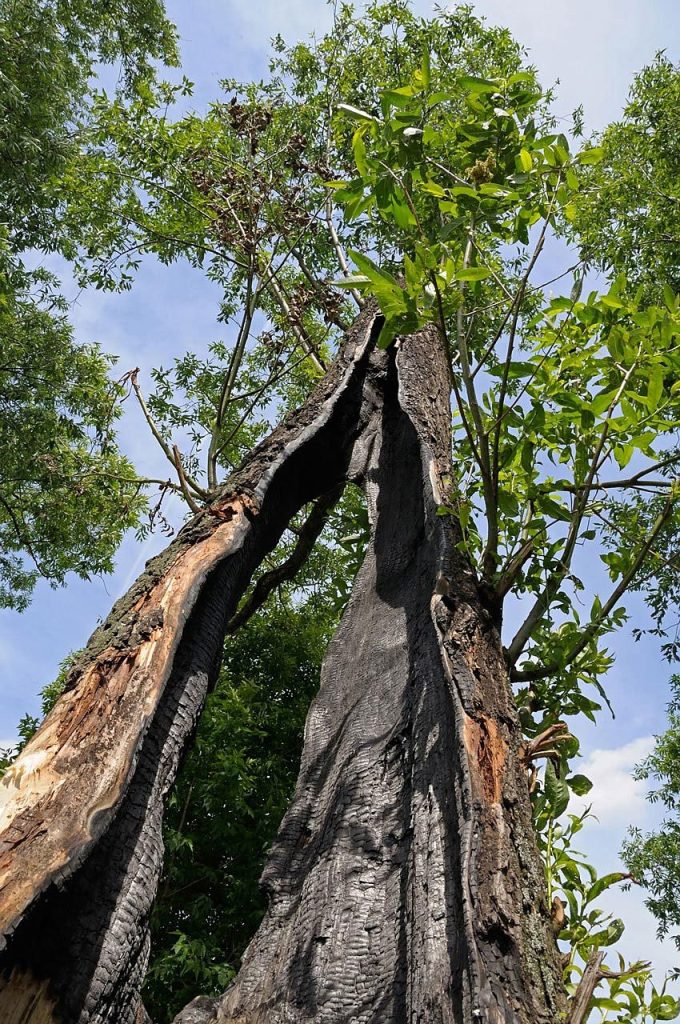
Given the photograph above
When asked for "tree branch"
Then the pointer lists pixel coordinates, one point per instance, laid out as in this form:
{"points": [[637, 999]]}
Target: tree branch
{"points": [[609, 605], [232, 372], [165, 447], [307, 537], [544, 600], [339, 252], [590, 979]]}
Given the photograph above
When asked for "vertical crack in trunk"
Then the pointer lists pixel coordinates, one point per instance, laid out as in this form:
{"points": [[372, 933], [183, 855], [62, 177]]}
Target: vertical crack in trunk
{"points": [[404, 883], [81, 808]]}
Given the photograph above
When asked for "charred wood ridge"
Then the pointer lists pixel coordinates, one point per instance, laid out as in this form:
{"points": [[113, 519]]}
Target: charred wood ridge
{"points": [[61, 794]]}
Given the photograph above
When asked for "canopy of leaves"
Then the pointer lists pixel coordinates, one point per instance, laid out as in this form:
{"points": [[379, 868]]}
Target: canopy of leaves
{"points": [[66, 493], [629, 214], [49, 52], [654, 857]]}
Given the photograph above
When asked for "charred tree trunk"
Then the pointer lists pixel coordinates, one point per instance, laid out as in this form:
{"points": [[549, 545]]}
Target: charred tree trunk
{"points": [[404, 884]]}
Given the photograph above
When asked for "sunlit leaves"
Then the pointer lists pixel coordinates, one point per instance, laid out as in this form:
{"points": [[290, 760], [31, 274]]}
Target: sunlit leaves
{"points": [[66, 493]]}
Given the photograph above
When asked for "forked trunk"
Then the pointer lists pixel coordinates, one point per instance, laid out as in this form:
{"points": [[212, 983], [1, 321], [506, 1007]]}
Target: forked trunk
{"points": [[404, 884]]}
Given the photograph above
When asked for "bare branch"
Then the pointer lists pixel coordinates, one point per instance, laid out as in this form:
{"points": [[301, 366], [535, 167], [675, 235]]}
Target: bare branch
{"points": [[304, 342], [249, 308], [339, 252], [513, 567], [183, 480], [475, 412], [307, 537], [165, 447], [590, 979]]}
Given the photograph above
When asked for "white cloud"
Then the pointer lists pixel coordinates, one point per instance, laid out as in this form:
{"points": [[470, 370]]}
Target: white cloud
{"points": [[616, 797]]}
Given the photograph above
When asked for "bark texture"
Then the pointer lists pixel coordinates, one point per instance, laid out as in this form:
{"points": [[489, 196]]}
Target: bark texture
{"points": [[404, 884], [81, 809]]}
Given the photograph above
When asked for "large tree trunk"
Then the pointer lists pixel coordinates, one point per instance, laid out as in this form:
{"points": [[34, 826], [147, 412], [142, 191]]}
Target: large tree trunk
{"points": [[404, 884]]}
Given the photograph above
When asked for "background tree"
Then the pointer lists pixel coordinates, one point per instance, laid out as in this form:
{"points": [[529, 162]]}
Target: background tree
{"points": [[66, 493], [653, 857]]}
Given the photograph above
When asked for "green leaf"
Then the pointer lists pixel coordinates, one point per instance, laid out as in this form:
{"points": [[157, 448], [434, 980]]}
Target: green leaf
{"points": [[602, 401], [357, 113], [372, 271], [605, 1003], [359, 150], [524, 159], [432, 188], [397, 97], [594, 155], [655, 388], [425, 69], [670, 298], [394, 300], [464, 190], [579, 784], [608, 936], [388, 332], [665, 1007], [571, 179], [473, 274], [478, 85], [556, 791], [351, 281], [603, 883]]}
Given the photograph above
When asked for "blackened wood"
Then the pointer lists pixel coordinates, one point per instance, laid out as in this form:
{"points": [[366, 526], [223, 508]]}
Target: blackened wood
{"points": [[80, 839], [404, 884]]}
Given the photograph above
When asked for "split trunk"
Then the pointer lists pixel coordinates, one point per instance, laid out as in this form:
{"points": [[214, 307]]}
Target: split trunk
{"points": [[404, 884]]}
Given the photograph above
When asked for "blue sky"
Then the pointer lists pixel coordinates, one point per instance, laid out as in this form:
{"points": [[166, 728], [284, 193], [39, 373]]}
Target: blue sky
{"points": [[593, 48]]}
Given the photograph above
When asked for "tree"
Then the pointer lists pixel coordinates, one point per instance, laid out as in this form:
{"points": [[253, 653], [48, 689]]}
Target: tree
{"points": [[653, 857], [66, 493], [245, 759], [405, 879]]}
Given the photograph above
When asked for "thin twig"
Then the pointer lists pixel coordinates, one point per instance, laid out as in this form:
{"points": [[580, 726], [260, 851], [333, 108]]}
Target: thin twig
{"points": [[165, 447]]}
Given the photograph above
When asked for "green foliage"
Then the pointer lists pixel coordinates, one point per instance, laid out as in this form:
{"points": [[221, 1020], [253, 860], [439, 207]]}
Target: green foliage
{"points": [[629, 996], [555, 396], [66, 493], [654, 857], [628, 215], [49, 53], [241, 192]]}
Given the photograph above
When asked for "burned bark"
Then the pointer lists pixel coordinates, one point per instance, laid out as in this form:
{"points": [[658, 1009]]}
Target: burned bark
{"points": [[80, 810], [404, 883]]}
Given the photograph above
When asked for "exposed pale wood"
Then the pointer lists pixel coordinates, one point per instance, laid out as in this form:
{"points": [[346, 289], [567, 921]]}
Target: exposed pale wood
{"points": [[82, 806]]}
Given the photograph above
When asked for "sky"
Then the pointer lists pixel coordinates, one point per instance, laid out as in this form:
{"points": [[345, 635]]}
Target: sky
{"points": [[591, 49]]}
